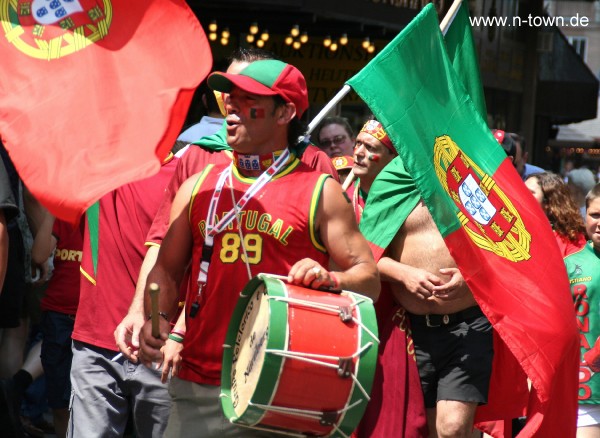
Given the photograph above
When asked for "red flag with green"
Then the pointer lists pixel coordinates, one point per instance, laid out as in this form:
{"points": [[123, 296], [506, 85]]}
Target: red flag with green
{"points": [[497, 234], [94, 92]]}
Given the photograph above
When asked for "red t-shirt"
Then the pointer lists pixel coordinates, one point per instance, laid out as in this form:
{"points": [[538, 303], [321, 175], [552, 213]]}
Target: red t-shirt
{"points": [[567, 246], [318, 160], [196, 159], [62, 293], [124, 219], [277, 233]]}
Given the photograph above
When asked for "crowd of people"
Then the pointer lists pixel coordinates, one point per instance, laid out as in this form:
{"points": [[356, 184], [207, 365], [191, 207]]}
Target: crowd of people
{"points": [[245, 194]]}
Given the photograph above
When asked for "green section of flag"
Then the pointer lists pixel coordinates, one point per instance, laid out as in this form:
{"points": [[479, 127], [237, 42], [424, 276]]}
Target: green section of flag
{"points": [[413, 90], [93, 221], [216, 142], [462, 53]]}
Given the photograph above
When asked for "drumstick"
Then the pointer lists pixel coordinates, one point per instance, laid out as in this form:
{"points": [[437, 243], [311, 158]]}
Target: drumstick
{"points": [[154, 290]]}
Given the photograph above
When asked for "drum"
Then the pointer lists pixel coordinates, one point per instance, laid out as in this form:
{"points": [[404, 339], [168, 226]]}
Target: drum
{"points": [[298, 361]]}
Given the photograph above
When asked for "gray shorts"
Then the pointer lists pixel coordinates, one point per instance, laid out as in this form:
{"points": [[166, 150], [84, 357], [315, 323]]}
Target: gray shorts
{"points": [[105, 393], [197, 412], [454, 358]]}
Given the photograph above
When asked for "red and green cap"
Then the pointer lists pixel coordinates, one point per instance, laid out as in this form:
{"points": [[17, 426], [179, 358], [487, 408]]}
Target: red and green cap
{"points": [[267, 77]]}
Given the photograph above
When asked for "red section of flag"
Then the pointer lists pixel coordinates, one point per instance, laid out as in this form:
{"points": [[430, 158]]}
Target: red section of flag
{"points": [[525, 301], [97, 98]]}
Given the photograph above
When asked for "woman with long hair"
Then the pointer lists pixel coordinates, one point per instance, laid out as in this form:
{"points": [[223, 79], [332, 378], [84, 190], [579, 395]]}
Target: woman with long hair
{"points": [[553, 195]]}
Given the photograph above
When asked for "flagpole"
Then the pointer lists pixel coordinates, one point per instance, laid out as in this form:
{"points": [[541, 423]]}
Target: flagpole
{"points": [[349, 179], [449, 18], [333, 102]]}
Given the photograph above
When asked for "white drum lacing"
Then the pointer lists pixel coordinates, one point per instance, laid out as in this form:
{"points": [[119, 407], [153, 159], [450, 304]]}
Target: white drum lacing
{"points": [[312, 358], [332, 308]]}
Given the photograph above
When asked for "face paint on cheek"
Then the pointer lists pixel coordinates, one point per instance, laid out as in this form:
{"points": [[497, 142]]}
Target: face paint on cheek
{"points": [[374, 157], [257, 113]]}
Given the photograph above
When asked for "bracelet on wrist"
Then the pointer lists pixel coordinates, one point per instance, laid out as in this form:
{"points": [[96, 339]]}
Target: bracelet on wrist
{"points": [[335, 281], [180, 333], [163, 314], [175, 338]]}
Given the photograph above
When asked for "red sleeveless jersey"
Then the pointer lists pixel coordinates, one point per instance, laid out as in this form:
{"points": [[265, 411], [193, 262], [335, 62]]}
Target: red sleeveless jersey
{"points": [[278, 230]]}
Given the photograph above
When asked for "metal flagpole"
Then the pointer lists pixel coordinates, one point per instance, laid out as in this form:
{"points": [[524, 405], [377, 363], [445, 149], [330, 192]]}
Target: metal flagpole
{"points": [[333, 102], [449, 18]]}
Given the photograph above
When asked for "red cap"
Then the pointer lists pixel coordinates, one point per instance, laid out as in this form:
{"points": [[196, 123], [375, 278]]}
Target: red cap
{"points": [[341, 163], [266, 78]]}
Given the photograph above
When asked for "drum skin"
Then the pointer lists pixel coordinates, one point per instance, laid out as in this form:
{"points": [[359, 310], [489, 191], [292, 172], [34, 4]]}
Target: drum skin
{"points": [[256, 397]]}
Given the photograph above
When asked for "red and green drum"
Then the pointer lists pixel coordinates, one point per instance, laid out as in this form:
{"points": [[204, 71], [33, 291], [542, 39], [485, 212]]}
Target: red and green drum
{"points": [[298, 361]]}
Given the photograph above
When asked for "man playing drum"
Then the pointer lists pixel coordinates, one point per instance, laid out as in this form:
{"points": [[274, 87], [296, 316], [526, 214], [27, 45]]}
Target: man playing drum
{"points": [[265, 212]]}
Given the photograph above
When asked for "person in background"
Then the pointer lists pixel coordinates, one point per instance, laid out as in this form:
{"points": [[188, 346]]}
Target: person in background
{"points": [[396, 408], [62, 242], [583, 269], [211, 121], [335, 137], [8, 210], [107, 389], [580, 181], [452, 337], [523, 167], [372, 152], [554, 197], [513, 146], [17, 301]]}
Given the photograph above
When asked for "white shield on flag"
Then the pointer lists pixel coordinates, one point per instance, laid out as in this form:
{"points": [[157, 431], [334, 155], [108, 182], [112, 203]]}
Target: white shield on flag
{"points": [[52, 11], [475, 201]]}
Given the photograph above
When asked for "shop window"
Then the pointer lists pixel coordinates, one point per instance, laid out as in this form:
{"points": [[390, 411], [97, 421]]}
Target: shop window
{"points": [[580, 45]]}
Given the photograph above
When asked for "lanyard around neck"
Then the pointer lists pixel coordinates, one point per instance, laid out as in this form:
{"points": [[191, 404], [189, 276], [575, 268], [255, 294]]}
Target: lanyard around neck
{"points": [[213, 229]]}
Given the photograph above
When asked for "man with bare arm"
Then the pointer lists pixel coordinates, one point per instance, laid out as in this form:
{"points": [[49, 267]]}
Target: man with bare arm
{"points": [[452, 337]]}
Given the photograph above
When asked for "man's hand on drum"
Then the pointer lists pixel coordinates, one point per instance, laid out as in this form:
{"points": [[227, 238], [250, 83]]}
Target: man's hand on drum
{"points": [[127, 335], [149, 345], [309, 273], [171, 359]]}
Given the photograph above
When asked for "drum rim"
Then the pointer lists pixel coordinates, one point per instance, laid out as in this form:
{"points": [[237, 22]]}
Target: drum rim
{"points": [[365, 365], [265, 386]]}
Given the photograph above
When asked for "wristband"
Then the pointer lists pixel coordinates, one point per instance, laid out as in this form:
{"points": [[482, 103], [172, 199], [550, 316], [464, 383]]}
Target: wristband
{"points": [[180, 333], [175, 338], [163, 314], [335, 280]]}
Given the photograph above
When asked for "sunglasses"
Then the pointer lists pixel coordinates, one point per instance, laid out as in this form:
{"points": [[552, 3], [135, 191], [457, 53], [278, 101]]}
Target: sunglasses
{"points": [[328, 142]]}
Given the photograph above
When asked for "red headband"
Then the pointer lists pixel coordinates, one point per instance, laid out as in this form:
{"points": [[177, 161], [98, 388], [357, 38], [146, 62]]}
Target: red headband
{"points": [[374, 128]]}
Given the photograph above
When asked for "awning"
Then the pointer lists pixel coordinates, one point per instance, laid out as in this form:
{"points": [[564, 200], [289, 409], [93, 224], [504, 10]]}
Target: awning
{"points": [[583, 134], [567, 91]]}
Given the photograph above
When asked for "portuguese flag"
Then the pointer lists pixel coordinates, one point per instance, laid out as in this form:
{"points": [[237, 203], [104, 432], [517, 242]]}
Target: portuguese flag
{"points": [[495, 231], [93, 93]]}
